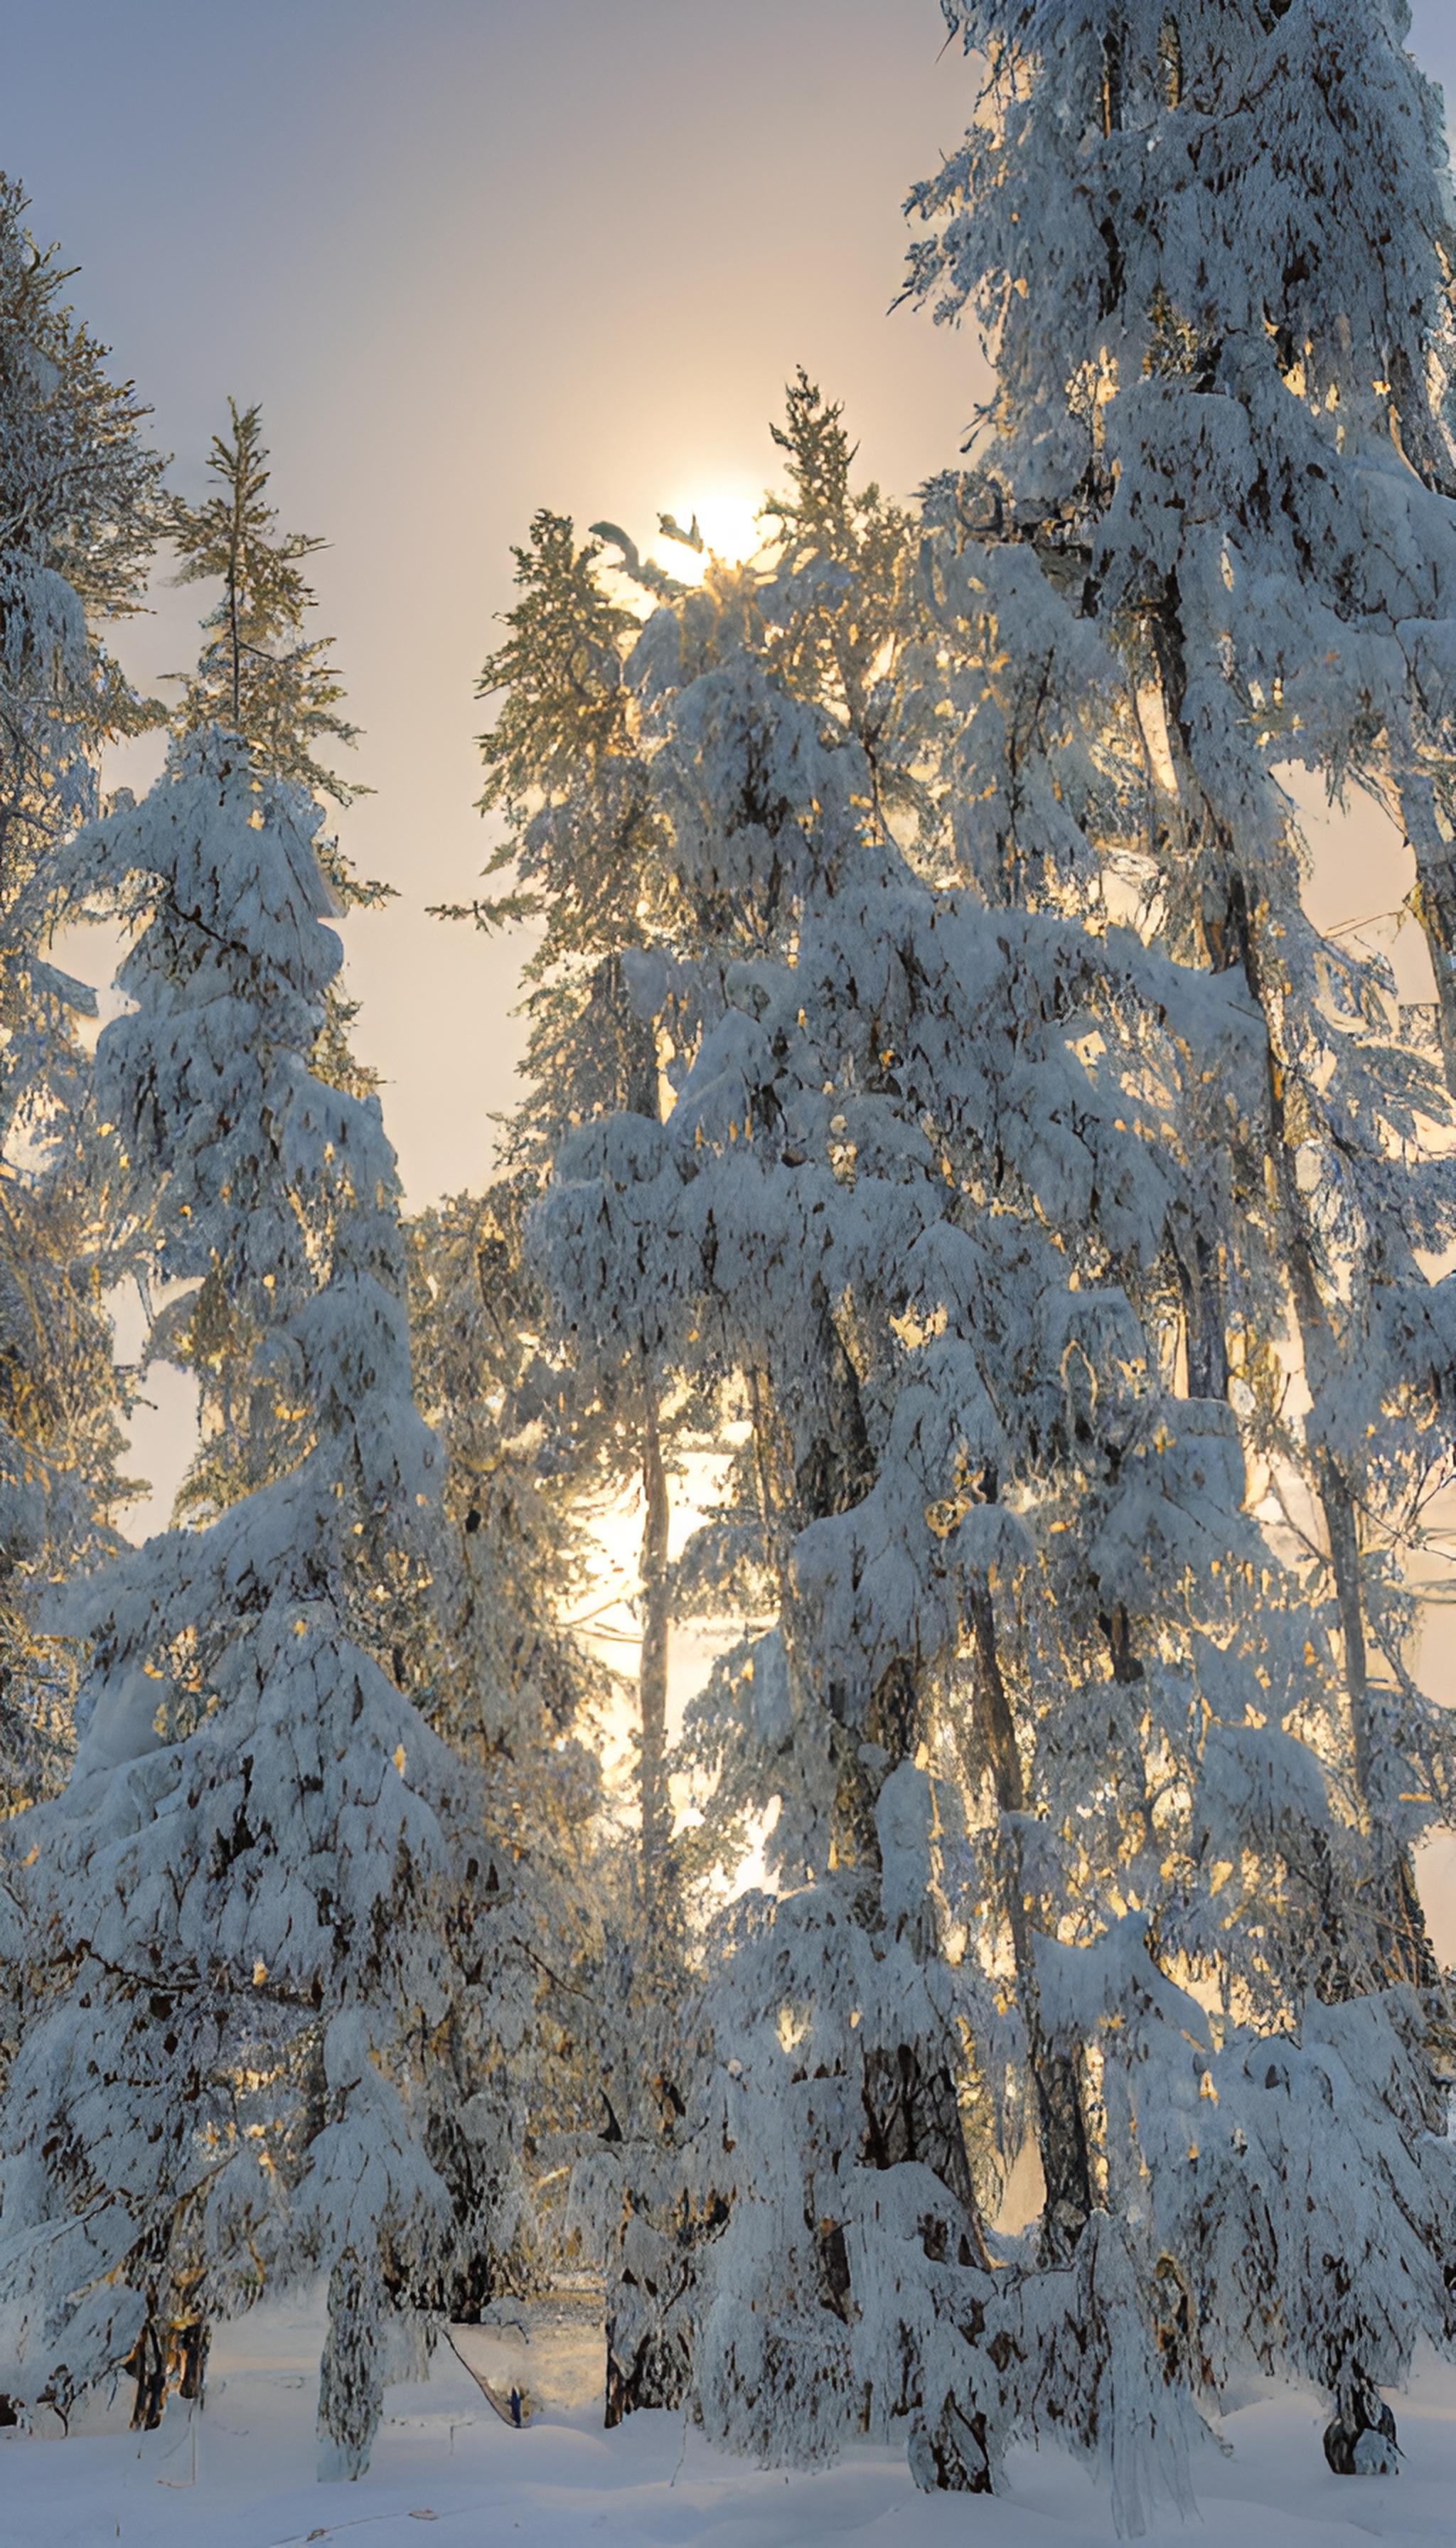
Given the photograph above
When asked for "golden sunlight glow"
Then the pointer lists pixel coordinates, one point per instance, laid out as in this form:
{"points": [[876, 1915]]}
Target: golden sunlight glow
{"points": [[726, 518]]}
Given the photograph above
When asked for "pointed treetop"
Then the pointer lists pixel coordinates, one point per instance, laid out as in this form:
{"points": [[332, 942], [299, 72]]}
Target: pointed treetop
{"points": [[258, 673], [559, 669]]}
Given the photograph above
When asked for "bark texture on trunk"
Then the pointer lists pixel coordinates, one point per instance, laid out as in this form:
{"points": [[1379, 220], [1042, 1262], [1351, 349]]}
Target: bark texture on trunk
{"points": [[652, 1680], [1398, 1946], [908, 2092], [1061, 2130], [1434, 905], [1395, 1945]]}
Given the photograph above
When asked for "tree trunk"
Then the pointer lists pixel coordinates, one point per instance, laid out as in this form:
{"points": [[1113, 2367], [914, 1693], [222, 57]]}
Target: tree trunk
{"points": [[1200, 1277], [910, 2104], [351, 2372], [1434, 905], [807, 1471], [146, 2365], [648, 2359], [1400, 1947], [652, 1677], [1062, 2131], [1396, 1947]]}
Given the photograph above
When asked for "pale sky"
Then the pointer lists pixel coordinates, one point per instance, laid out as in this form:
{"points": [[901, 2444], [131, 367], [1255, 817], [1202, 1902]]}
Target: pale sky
{"points": [[475, 256]]}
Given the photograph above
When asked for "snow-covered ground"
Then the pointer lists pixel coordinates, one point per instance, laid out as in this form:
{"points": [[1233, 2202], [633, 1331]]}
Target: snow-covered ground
{"points": [[243, 2476]]}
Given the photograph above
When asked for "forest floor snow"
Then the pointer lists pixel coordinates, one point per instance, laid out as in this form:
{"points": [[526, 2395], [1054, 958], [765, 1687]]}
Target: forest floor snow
{"points": [[241, 2474]]}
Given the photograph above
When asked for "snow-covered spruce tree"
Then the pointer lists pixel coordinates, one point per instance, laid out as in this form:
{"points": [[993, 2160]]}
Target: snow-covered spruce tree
{"points": [[566, 767], [719, 1239], [839, 595], [78, 517], [261, 676], [900, 1194], [252, 1912], [1213, 247], [1212, 251], [574, 738], [564, 772]]}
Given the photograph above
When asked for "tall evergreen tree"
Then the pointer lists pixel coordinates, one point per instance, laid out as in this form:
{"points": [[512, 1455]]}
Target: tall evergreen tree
{"points": [[79, 513], [1215, 250], [252, 2049], [560, 1447], [1215, 271], [1038, 1686], [565, 772], [262, 678]]}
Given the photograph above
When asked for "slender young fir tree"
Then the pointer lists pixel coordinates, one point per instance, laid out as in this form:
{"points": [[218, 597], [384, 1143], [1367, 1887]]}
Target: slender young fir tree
{"points": [[564, 770], [250, 1918], [79, 513], [563, 1446], [261, 676]]}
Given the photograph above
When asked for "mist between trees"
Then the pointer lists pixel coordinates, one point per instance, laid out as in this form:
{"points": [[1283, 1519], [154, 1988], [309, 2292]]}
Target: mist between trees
{"points": [[969, 1243]]}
